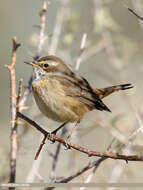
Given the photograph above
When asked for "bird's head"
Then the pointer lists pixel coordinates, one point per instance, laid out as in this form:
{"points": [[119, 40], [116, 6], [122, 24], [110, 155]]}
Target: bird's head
{"points": [[50, 64]]}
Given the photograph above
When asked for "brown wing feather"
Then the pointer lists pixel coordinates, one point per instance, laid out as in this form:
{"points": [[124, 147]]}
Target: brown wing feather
{"points": [[78, 87]]}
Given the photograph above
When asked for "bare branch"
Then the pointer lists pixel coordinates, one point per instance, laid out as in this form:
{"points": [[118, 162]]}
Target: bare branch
{"points": [[42, 26], [133, 12], [94, 164], [90, 153], [58, 26], [94, 49], [55, 156], [40, 147], [13, 105], [82, 46], [97, 164]]}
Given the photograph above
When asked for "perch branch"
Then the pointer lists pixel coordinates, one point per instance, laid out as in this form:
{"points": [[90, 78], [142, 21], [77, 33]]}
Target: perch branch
{"points": [[90, 153]]}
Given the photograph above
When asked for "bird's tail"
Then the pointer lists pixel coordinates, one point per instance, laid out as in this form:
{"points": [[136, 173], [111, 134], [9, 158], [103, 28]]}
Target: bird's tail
{"points": [[103, 92]]}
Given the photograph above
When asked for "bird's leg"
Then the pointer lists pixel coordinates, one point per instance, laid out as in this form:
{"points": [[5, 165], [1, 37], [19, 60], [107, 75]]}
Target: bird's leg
{"points": [[75, 125], [56, 130]]}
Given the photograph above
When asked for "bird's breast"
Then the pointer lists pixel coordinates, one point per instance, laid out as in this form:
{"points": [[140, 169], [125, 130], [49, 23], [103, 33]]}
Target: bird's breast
{"points": [[52, 101]]}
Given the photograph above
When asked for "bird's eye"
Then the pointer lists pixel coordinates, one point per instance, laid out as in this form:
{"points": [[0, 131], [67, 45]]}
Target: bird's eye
{"points": [[45, 65]]}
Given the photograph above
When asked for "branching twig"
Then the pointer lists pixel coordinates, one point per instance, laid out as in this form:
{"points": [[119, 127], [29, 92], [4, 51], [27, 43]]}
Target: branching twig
{"points": [[94, 164], [79, 148], [13, 105]]}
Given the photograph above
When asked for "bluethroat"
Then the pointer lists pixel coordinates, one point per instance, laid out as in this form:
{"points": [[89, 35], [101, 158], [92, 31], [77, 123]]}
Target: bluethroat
{"points": [[64, 96]]}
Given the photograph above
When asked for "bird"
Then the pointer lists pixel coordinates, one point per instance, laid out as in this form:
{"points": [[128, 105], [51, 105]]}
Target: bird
{"points": [[63, 95]]}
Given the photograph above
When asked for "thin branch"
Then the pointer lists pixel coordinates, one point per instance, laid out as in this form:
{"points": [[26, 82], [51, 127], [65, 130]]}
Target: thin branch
{"points": [[80, 172], [42, 27], [56, 155], [82, 47], [137, 5], [94, 49], [58, 26], [34, 170], [26, 93], [133, 12], [94, 164], [40, 147], [68, 144], [98, 162], [13, 104]]}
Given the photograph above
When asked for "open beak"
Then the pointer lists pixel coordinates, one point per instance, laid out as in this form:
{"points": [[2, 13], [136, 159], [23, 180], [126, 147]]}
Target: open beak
{"points": [[29, 63]]}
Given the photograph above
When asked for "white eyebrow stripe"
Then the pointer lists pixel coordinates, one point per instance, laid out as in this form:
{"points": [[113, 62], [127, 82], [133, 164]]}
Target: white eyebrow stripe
{"points": [[54, 63]]}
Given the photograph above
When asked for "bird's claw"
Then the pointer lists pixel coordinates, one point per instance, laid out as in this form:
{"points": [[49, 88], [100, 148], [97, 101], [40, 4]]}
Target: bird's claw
{"points": [[66, 145]]}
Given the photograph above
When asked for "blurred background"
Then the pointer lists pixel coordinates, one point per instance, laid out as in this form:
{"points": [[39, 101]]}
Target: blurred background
{"points": [[113, 54]]}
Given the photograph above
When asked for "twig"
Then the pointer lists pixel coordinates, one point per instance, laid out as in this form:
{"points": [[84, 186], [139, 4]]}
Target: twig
{"points": [[42, 26], [58, 26], [39, 49], [80, 172], [90, 153], [55, 156], [40, 147], [34, 170], [26, 93], [17, 102], [96, 165], [82, 46], [138, 6], [133, 12], [13, 103], [94, 49], [98, 162]]}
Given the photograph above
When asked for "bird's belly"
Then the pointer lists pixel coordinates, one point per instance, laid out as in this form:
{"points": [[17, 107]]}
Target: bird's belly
{"points": [[55, 105]]}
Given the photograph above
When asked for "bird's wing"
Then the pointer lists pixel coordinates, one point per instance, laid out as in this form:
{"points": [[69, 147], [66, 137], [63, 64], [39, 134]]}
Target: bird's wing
{"points": [[79, 87]]}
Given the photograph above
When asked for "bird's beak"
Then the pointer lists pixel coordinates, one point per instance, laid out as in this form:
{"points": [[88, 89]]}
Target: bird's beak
{"points": [[29, 63]]}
